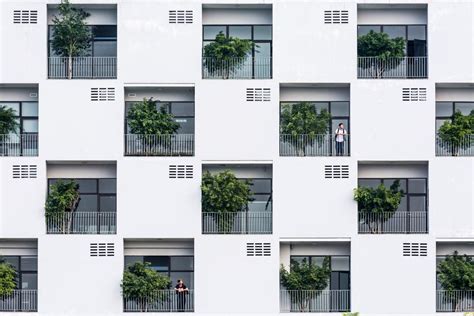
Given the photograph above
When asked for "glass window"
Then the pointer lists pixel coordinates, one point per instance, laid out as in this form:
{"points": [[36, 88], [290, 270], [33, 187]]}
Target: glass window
{"points": [[365, 29], [339, 108], [14, 106], [105, 49], [130, 260], [394, 31], [242, 32], [318, 260], [262, 32], [417, 203], [88, 203], [182, 108], [13, 261], [261, 186], [29, 263], [417, 32], [417, 185], [464, 107], [211, 31], [108, 203], [416, 40], [87, 185], [321, 105], [187, 277], [403, 183], [444, 108], [30, 126], [371, 183], [159, 263], [340, 263], [182, 263], [105, 31], [263, 50], [107, 185], [29, 281], [29, 109], [299, 259]]}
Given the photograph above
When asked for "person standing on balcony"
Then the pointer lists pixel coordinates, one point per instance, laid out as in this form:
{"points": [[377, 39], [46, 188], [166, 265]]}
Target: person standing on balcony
{"points": [[181, 291], [340, 138]]}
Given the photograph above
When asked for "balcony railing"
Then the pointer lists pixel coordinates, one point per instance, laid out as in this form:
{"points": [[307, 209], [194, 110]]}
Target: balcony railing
{"points": [[82, 223], [315, 301], [19, 145], [392, 68], [19, 301], [465, 147], [162, 301], [237, 223], [237, 68], [159, 145], [454, 301], [393, 223], [313, 145], [83, 67]]}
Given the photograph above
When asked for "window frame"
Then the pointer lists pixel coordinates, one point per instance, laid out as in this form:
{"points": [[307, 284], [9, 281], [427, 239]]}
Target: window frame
{"points": [[20, 271], [453, 107], [20, 117]]}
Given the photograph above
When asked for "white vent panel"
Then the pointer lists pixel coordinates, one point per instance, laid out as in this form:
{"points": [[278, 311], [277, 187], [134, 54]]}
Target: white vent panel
{"points": [[258, 94], [259, 249], [24, 171], [102, 94], [25, 16], [181, 171], [180, 16], [102, 249], [336, 171], [414, 94], [415, 249], [336, 17]]}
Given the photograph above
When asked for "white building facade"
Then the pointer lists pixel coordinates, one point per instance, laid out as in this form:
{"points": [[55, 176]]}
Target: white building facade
{"points": [[141, 206]]}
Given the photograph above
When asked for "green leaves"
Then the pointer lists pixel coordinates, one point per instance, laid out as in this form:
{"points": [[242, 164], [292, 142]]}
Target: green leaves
{"points": [[7, 279], [306, 276], [144, 118], [380, 199], [227, 47], [70, 34], [142, 282], [303, 118], [454, 133], [456, 273], [379, 44], [8, 123], [63, 197]]}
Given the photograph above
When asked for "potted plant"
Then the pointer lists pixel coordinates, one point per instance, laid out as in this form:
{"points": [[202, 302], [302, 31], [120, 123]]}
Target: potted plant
{"points": [[154, 127], [456, 276], [71, 37], [223, 196], [226, 54], [305, 281], [142, 284], [7, 279], [457, 134], [302, 123], [61, 203], [377, 205], [386, 53]]}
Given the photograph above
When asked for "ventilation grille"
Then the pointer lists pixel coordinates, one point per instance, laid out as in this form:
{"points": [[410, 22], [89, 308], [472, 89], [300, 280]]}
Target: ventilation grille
{"points": [[181, 16], [259, 249], [25, 17], [415, 249], [336, 17], [25, 171], [180, 171], [414, 94], [258, 94], [102, 94], [102, 249], [336, 171]]}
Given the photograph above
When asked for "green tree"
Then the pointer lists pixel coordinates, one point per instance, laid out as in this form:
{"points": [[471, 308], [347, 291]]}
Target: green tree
{"points": [[61, 203], [71, 37], [302, 122], [389, 52], [141, 284], [310, 278], [7, 279], [223, 195], [456, 273], [377, 205], [458, 133], [226, 54], [8, 122]]}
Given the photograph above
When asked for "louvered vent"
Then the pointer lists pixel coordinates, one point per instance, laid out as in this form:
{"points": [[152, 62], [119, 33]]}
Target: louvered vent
{"points": [[258, 94], [102, 249], [259, 249], [25, 171], [336, 17], [25, 17], [181, 16], [415, 249], [102, 94], [180, 171], [414, 94], [336, 171]]}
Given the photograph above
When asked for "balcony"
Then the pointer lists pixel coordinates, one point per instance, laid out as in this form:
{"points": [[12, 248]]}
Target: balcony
{"points": [[162, 301], [392, 68], [82, 223], [19, 145], [83, 68], [237, 68], [19, 301], [313, 301], [237, 223], [393, 223], [454, 301], [159, 145], [463, 148], [309, 145]]}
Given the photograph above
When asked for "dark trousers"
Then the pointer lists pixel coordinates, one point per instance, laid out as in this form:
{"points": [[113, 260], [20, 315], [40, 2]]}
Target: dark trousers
{"points": [[181, 302], [339, 148]]}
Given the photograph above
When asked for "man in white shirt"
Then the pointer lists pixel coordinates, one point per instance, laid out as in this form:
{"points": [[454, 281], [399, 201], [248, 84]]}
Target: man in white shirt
{"points": [[340, 137]]}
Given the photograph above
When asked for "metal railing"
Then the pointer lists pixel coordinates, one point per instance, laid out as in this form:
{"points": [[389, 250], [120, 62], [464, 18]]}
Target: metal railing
{"points": [[19, 301], [82, 223], [392, 68], [237, 223], [413, 222], [159, 145], [162, 301], [454, 301], [315, 301], [237, 68], [313, 145], [19, 145], [465, 147], [83, 68]]}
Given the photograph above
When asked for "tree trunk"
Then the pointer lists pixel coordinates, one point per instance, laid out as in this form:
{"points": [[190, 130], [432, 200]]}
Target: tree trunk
{"points": [[69, 67]]}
